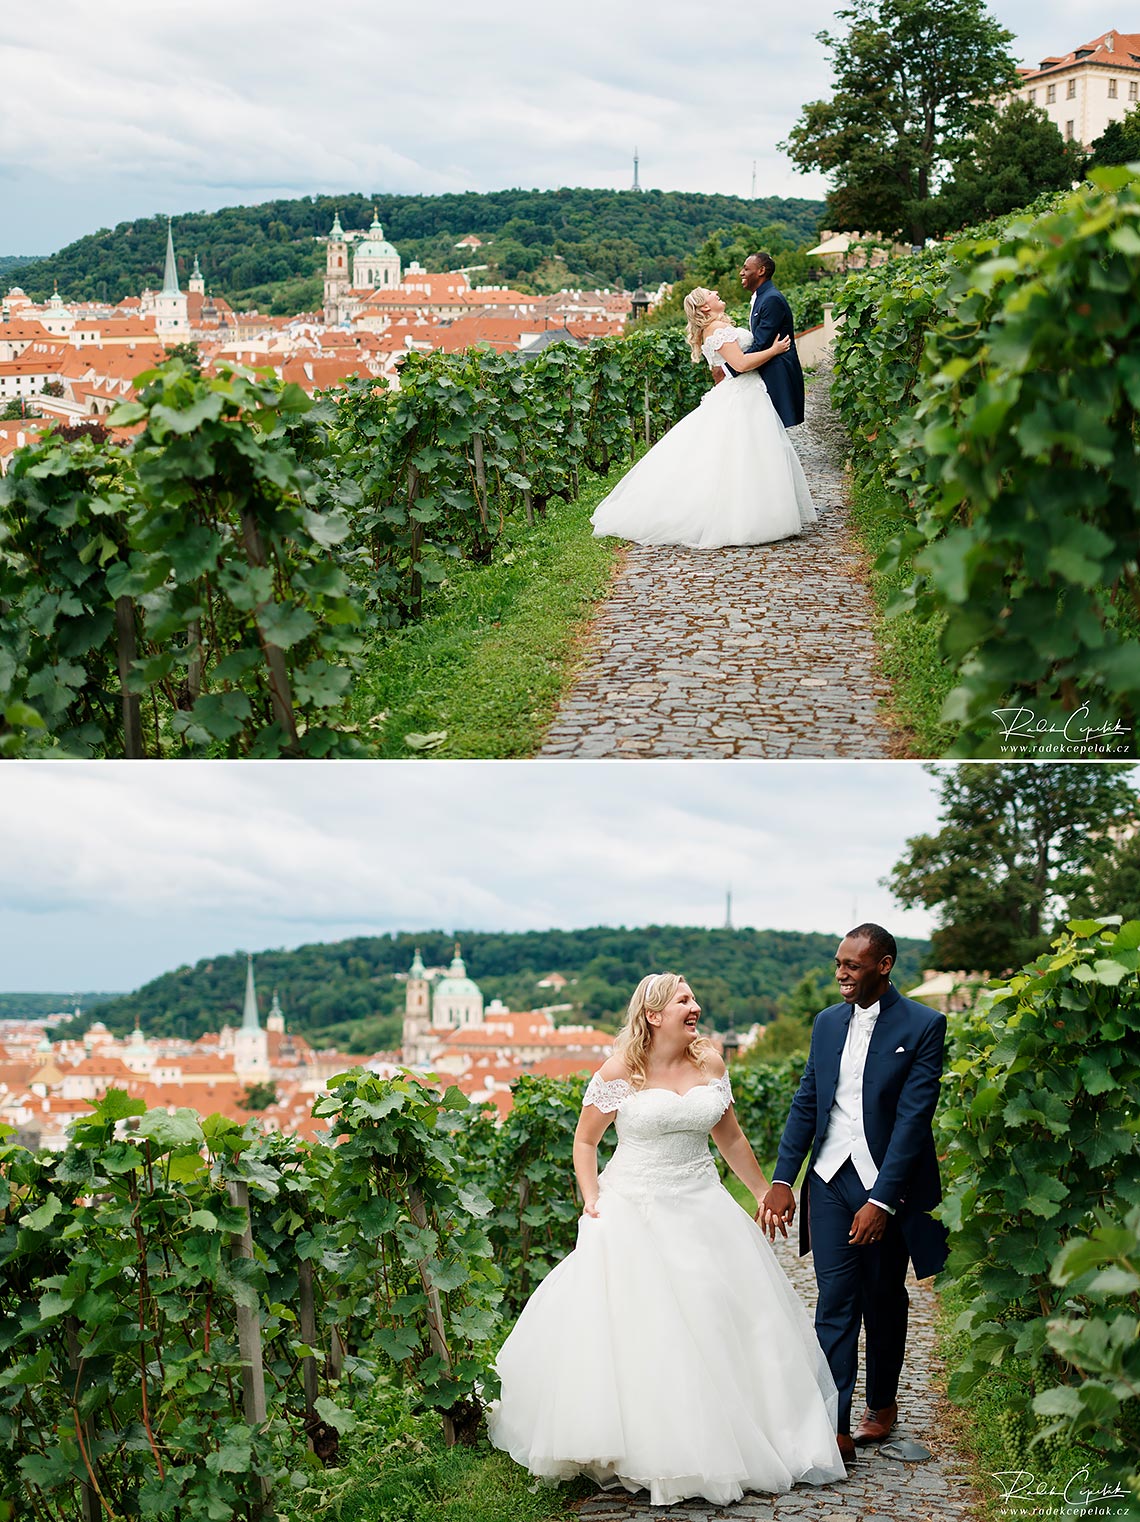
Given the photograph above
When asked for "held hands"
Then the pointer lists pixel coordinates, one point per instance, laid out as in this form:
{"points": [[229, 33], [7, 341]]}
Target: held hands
{"points": [[868, 1226], [776, 1210]]}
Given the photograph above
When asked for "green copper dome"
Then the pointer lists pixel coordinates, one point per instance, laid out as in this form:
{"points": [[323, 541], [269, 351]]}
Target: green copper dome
{"points": [[457, 985], [375, 246]]}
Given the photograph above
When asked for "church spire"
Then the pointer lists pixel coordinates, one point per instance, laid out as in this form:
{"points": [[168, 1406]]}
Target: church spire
{"points": [[249, 1020], [170, 274]]}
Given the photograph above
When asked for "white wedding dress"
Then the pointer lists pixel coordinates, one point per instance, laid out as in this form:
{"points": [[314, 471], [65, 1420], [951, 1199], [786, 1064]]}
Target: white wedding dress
{"points": [[724, 474], [668, 1351]]}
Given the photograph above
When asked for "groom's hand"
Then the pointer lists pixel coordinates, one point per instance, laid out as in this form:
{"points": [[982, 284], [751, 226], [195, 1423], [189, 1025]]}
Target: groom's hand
{"points": [[868, 1226], [779, 1204]]}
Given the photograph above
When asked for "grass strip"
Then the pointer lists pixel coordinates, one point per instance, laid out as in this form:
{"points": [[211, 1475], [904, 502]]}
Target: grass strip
{"points": [[497, 646], [919, 676], [395, 1468]]}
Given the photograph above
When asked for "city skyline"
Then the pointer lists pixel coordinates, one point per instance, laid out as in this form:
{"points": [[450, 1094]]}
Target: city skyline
{"points": [[118, 874], [209, 114]]}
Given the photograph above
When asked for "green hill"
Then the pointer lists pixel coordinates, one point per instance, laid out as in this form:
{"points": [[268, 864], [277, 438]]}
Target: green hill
{"points": [[345, 991], [539, 239], [34, 1006]]}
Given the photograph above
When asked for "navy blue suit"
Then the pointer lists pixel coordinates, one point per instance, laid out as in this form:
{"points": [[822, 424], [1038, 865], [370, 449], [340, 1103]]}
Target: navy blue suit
{"points": [[771, 319], [900, 1093]]}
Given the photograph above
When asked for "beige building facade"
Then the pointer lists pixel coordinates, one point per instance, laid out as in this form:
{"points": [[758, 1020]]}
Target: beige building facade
{"points": [[1081, 92]]}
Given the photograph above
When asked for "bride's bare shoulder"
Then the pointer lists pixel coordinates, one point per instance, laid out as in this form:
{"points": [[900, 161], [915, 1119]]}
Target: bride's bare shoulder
{"points": [[712, 1063], [612, 1070]]}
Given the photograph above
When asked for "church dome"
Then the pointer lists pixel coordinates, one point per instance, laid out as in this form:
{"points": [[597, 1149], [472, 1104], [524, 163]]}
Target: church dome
{"points": [[375, 246], [457, 985]]}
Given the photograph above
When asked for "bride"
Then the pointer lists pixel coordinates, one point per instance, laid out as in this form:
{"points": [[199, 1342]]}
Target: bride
{"points": [[668, 1351], [727, 472]]}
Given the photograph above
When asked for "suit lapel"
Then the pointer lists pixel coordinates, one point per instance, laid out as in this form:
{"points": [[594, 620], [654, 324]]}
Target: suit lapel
{"points": [[890, 1027], [837, 1040]]}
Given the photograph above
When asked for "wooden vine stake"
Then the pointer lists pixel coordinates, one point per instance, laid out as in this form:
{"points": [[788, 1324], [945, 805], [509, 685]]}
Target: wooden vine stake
{"points": [[480, 479], [416, 539], [308, 1318], [127, 652], [280, 692], [89, 1493], [645, 414], [436, 1334], [249, 1329], [528, 496]]}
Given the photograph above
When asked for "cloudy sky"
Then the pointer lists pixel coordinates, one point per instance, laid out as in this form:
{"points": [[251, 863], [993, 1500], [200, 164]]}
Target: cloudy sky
{"points": [[114, 873], [132, 108]]}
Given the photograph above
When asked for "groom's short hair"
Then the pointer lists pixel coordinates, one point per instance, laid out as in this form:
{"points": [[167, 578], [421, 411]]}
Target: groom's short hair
{"points": [[767, 264], [883, 943]]}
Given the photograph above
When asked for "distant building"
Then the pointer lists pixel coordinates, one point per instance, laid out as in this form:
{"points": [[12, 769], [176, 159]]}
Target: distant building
{"points": [[375, 263], [1085, 89], [337, 280], [484, 1049], [168, 307], [45, 1085], [948, 992]]}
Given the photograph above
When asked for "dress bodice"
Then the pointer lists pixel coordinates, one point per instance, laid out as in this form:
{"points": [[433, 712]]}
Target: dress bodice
{"points": [[663, 1137], [711, 346]]}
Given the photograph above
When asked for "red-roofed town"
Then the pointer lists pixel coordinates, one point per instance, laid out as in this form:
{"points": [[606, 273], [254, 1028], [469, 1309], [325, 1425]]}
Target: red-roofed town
{"points": [[63, 363], [449, 1037]]}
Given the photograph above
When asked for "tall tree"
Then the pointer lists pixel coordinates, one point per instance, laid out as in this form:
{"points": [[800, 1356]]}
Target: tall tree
{"points": [[1018, 849], [1010, 160], [914, 79]]}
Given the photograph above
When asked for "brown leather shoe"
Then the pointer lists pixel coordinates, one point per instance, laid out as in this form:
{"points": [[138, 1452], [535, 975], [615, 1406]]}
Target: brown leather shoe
{"points": [[846, 1447], [876, 1425]]}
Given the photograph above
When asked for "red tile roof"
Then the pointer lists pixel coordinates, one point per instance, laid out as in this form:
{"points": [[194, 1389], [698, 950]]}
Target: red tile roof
{"points": [[1124, 54]]}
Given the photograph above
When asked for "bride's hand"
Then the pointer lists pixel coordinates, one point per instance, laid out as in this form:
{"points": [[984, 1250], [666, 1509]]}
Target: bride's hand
{"points": [[782, 345], [590, 1208], [769, 1222]]}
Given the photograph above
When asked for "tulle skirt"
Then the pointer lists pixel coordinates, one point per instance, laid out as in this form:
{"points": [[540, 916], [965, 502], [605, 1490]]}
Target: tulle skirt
{"points": [[725, 474], [669, 1352]]}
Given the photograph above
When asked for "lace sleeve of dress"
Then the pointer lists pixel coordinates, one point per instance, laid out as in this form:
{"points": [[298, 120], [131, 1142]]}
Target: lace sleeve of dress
{"points": [[711, 347], [724, 1089], [606, 1094]]}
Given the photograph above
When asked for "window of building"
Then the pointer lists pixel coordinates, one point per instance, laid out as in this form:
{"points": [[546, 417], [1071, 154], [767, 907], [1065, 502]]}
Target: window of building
{"points": [[1112, 89], [1132, 90], [1032, 97], [1069, 132], [1072, 90], [1050, 94]]}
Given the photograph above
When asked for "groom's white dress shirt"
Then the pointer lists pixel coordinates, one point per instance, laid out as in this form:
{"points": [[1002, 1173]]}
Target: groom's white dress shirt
{"points": [[845, 1137]]}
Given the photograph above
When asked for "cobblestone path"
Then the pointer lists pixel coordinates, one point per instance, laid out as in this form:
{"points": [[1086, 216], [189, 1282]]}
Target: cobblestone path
{"points": [[877, 1489], [761, 650]]}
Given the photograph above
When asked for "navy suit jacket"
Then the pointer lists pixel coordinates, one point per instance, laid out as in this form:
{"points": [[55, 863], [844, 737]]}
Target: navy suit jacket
{"points": [[900, 1093], [783, 376]]}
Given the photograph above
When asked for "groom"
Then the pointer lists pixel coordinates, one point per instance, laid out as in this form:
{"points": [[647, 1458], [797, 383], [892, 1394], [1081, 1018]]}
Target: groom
{"points": [[770, 317], [863, 1114]]}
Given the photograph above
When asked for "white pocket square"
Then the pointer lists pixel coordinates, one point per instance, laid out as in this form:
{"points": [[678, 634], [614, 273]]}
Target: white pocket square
{"points": [[900, 1049]]}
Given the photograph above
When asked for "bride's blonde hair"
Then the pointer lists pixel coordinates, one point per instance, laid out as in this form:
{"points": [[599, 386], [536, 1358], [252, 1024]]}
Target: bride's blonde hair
{"points": [[632, 1042], [698, 317]]}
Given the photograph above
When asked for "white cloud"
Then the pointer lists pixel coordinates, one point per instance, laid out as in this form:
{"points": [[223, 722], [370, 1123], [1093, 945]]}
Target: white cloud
{"points": [[171, 108], [114, 872]]}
